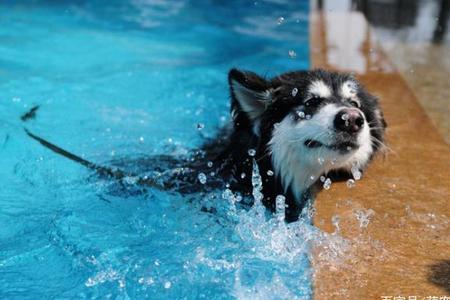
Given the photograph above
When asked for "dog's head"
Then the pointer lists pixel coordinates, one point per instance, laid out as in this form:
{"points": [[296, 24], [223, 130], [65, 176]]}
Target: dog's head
{"points": [[310, 122]]}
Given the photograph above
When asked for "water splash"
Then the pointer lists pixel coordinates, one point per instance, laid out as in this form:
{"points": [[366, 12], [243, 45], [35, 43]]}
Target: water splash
{"points": [[257, 185], [364, 216], [280, 207]]}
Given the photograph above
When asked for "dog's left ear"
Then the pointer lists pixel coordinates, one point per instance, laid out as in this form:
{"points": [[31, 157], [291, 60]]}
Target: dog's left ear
{"points": [[249, 92]]}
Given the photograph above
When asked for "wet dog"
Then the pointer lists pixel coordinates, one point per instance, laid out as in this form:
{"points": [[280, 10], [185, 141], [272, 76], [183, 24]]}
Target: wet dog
{"points": [[302, 129]]}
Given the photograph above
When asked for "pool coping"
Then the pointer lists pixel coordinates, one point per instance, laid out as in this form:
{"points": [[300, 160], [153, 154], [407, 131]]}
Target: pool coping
{"points": [[402, 250]]}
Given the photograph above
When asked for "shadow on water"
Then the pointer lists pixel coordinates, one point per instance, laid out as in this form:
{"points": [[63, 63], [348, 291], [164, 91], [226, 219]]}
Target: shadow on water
{"points": [[440, 274]]}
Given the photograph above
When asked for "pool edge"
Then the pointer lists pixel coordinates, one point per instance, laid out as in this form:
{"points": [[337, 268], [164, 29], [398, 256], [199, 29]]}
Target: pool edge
{"points": [[410, 252]]}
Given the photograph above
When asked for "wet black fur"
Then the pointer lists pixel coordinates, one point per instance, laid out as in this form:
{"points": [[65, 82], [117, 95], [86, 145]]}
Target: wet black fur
{"points": [[233, 158]]}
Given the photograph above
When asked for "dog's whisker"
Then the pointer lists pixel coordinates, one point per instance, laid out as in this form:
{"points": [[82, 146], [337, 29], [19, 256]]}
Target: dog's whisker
{"points": [[376, 128], [383, 147]]}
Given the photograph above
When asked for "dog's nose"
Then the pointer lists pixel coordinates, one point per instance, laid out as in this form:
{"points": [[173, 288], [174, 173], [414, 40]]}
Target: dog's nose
{"points": [[349, 120]]}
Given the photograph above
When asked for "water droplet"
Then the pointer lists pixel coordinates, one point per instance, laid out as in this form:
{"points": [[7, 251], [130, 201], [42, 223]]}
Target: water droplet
{"points": [[200, 126], [270, 173], [167, 285], [327, 184], [322, 178], [209, 164], [312, 177], [335, 221], [351, 183], [141, 139], [130, 180], [292, 54], [251, 152], [294, 92], [202, 178], [301, 114], [345, 117], [356, 173], [311, 211], [321, 160], [280, 20], [257, 184], [243, 175]]}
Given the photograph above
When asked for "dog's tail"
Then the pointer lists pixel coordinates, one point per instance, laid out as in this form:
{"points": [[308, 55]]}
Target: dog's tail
{"points": [[101, 170], [118, 174]]}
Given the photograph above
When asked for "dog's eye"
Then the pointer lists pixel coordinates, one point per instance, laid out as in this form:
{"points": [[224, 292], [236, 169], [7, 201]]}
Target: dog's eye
{"points": [[354, 103], [314, 101]]}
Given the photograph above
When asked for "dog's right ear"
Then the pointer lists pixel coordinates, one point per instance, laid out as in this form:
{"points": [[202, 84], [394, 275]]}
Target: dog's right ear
{"points": [[250, 94]]}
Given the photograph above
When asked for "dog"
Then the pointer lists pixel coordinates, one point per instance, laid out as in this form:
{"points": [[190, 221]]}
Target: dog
{"points": [[302, 129]]}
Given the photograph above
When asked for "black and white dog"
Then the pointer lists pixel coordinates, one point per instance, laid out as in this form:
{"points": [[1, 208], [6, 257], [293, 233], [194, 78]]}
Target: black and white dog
{"points": [[298, 127]]}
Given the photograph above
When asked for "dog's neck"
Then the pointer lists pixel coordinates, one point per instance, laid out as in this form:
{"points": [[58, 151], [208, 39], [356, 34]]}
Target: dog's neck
{"points": [[296, 168], [296, 176]]}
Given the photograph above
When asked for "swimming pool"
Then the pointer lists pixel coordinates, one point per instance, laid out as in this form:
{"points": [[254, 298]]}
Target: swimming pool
{"points": [[122, 81]]}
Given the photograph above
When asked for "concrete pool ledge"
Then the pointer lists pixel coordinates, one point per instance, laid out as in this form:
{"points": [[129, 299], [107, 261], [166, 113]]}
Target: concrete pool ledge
{"points": [[405, 248]]}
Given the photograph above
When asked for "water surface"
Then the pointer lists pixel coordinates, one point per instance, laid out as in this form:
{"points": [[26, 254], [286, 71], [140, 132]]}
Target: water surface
{"points": [[119, 81]]}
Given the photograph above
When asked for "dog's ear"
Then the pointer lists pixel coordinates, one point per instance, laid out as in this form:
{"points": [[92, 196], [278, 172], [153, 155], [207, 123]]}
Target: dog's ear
{"points": [[250, 93]]}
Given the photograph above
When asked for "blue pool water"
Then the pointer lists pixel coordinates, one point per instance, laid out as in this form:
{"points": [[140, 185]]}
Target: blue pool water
{"points": [[124, 80]]}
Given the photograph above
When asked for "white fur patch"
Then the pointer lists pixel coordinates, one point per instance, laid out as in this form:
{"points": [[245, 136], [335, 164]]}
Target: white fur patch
{"points": [[299, 166], [319, 88], [348, 90]]}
